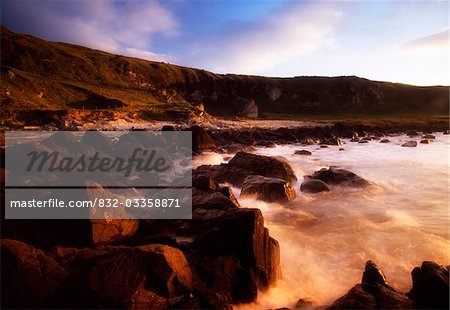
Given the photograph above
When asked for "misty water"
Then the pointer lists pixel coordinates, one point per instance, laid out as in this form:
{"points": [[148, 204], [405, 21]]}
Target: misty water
{"points": [[326, 238]]}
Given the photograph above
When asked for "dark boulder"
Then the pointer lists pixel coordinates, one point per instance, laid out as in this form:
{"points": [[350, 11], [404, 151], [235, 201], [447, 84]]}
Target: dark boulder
{"points": [[30, 277], [429, 137], [314, 186], [410, 144], [264, 143], [302, 152], [356, 298], [341, 177], [230, 252], [385, 141], [303, 304], [98, 140], [373, 275], [244, 164], [201, 139], [148, 276], [373, 293], [212, 200], [412, 133], [424, 141], [268, 189], [430, 286]]}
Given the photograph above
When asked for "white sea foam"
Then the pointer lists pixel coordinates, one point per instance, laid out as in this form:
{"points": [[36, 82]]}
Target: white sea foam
{"points": [[326, 238]]}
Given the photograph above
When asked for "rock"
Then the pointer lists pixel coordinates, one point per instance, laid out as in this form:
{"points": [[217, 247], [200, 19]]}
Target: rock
{"points": [[107, 230], [30, 277], [168, 128], [204, 182], [332, 141], [341, 177], [302, 152], [412, 133], [147, 276], [324, 146], [235, 147], [430, 286], [363, 141], [410, 144], [385, 141], [341, 149], [372, 293], [429, 137], [354, 140], [98, 140], [212, 200], [249, 108], [228, 192], [373, 275], [425, 141], [303, 304], [446, 132], [268, 189], [265, 143], [201, 139], [356, 298], [314, 186], [244, 164], [308, 141], [226, 249]]}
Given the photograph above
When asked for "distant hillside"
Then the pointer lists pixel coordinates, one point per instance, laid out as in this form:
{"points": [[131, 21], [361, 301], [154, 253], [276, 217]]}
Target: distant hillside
{"points": [[42, 75]]}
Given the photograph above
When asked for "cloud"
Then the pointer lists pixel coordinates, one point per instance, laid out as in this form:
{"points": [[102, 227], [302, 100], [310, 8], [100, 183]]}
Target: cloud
{"points": [[117, 27], [435, 41], [285, 34]]}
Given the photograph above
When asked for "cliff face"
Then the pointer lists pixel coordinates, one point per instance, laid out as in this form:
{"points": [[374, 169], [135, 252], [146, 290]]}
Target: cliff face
{"points": [[42, 75]]}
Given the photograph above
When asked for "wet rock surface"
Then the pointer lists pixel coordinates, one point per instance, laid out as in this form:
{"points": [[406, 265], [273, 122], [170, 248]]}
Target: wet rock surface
{"points": [[430, 286], [341, 177], [302, 152], [314, 186], [410, 144], [267, 189], [373, 293], [244, 164]]}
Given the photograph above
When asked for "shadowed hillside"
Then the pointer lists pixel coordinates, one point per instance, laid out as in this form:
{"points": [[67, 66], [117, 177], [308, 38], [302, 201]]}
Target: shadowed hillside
{"points": [[42, 75]]}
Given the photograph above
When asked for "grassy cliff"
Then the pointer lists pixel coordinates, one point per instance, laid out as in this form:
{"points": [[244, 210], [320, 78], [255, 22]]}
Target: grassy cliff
{"points": [[41, 75]]}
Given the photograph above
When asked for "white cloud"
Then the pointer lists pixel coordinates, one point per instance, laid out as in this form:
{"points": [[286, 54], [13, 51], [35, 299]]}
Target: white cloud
{"points": [[286, 34], [116, 27], [435, 41]]}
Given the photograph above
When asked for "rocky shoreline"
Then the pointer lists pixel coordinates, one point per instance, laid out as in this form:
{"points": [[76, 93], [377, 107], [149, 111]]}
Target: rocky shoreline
{"points": [[222, 257]]}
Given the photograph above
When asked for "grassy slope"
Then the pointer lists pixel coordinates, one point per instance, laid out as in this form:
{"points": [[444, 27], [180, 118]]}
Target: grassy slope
{"points": [[38, 74]]}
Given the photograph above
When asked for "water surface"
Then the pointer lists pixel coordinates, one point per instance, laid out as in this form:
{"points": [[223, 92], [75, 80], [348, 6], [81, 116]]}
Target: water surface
{"points": [[326, 238]]}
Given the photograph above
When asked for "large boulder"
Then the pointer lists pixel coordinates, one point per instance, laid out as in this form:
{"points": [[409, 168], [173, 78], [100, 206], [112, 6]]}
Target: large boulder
{"points": [[230, 252], [302, 152], [314, 186], [201, 139], [101, 226], [341, 177], [30, 277], [430, 286], [356, 298], [267, 189], [373, 293], [244, 164], [141, 277]]}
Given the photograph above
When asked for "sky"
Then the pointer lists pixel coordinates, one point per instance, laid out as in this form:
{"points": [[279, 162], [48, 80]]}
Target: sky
{"points": [[385, 40]]}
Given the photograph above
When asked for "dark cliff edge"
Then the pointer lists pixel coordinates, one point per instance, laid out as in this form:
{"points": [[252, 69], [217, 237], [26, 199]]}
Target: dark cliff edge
{"points": [[42, 75]]}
